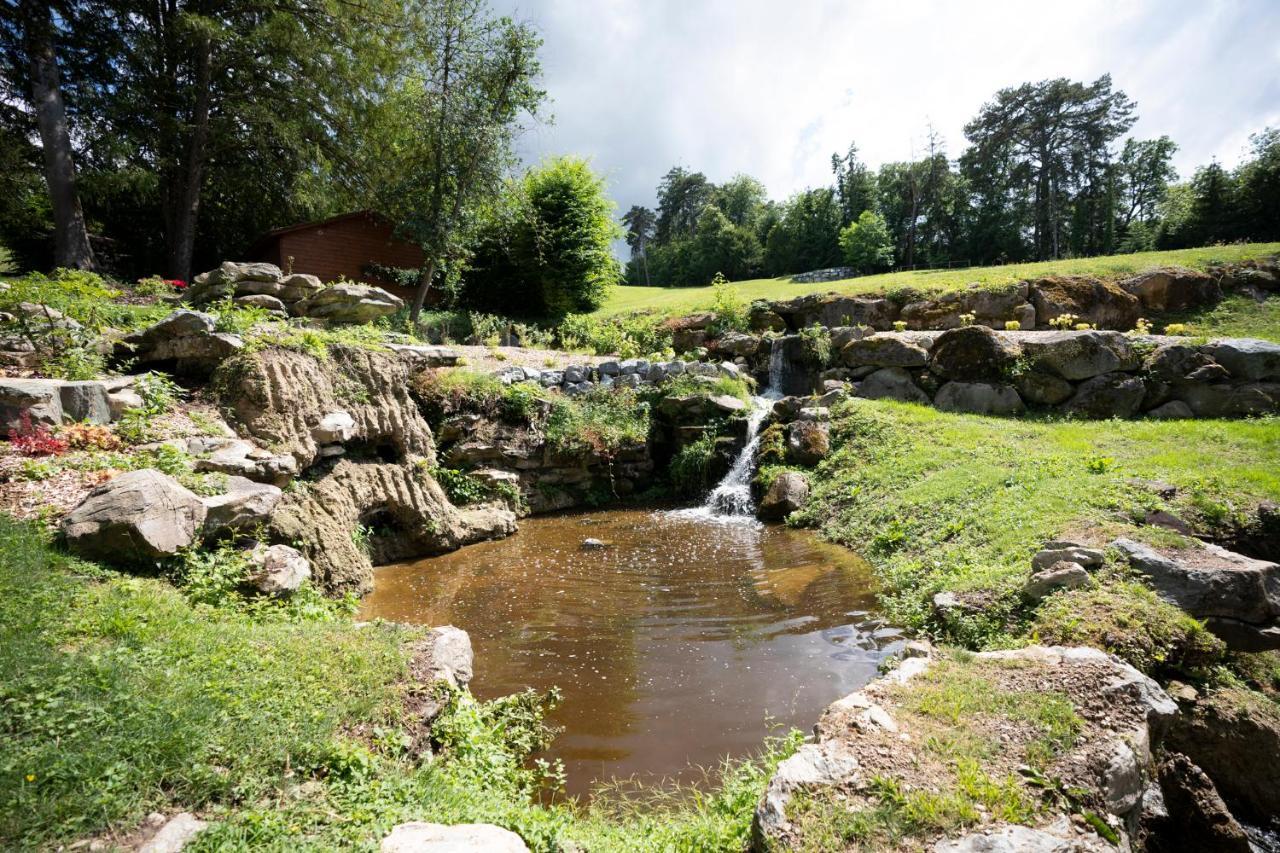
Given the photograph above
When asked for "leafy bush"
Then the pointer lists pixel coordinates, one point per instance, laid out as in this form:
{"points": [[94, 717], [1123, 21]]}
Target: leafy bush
{"points": [[601, 422], [691, 466], [731, 309], [817, 344], [449, 392], [464, 488], [629, 336]]}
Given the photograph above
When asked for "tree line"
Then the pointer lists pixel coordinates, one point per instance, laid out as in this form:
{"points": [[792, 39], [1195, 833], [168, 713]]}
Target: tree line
{"points": [[1045, 175]]}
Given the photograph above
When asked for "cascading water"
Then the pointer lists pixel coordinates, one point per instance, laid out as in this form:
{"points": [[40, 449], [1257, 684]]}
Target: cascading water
{"points": [[731, 498]]}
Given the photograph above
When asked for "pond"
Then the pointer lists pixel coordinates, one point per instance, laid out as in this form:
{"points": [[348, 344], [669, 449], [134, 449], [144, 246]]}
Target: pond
{"points": [[686, 639]]}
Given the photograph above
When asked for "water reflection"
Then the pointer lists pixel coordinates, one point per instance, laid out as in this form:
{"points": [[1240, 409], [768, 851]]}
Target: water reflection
{"points": [[680, 642]]}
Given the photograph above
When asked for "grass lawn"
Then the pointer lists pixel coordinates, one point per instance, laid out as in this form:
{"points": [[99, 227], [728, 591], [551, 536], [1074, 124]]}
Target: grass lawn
{"points": [[942, 501], [677, 300]]}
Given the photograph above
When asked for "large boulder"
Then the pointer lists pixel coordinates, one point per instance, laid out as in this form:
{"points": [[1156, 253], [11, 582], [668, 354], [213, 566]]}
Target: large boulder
{"points": [[184, 341], [243, 506], [1197, 818], [135, 518], [38, 399], [1102, 303], [1079, 355], [85, 401], [808, 442], [891, 383], [1111, 395], [737, 344], [1042, 389], [240, 458], [1176, 362], [1239, 597], [833, 309], [1246, 358], [972, 353], [349, 303], [884, 350], [278, 570], [787, 493], [1173, 289], [421, 837], [979, 398], [1223, 400]]}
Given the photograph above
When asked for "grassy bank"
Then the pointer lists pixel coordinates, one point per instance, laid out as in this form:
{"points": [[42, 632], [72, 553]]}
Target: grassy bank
{"points": [[285, 730], [942, 501], [678, 300]]}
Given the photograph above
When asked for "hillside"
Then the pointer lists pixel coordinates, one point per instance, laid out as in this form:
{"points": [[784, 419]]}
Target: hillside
{"points": [[676, 300]]}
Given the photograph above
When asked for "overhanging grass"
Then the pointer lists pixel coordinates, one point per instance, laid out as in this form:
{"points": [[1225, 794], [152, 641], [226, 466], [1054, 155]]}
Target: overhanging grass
{"points": [[942, 501], [676, 300]]}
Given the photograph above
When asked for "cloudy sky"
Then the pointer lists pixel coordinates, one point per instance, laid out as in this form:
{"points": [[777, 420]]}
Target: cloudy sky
{"points": [[774, 87]]}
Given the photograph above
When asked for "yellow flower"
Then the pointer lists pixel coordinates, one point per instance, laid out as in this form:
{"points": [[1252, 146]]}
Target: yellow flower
{"points": [[31, 777]]}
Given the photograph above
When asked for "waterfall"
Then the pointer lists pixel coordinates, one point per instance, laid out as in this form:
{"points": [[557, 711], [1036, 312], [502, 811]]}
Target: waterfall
{"points": [[731, 498]]}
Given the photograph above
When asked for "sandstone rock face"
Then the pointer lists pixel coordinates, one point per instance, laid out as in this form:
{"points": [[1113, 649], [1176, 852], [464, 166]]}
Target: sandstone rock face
{"points": [[135, 518], [787, 493], [1173, 289], [245, 505], [278, 570], [1198, 818], [408, 510], [280, 398], [1239, 597], [240, 458], [1079, 355], [459, 838], [979, 398], [971, 354], [891, 383], [1098, 302], [349, 303], [877, 733]]}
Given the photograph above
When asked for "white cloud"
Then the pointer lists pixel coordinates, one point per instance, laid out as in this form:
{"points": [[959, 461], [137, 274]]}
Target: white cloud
{"points": [[773, 88]]}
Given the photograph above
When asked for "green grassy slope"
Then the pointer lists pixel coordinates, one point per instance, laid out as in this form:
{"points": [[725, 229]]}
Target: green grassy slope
{"points": [[676, 300], [943, 501]]}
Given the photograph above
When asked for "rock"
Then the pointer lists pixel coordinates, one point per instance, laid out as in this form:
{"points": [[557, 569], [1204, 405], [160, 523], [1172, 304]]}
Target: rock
{"points": [[175, 835], [263, 301], [990, 306], [981, 398], [788, 492], [892, 383], [1212, 582], [299, 286], [884, 350], [1111, 395], [279, 570], [1173, 289], [421, 837], [1103, 303], [180, 324], [1220, 400], [726, 404], [245, 505], [1233, 735], [808, 443], [1167, 520], [1068, 552], [445, 654], [349, 303], [185, 341], [593, 545], [1062, 575], [1042, 389], [334, 428], [1198, 818], [1171, 411], [972, 353], [1246, 358], [85, 401], [1059, 837], [762, 318], [122, 401], [738, 344], [833, 310], [231, 272], [135, 518], [238, 457], [1175, 362], [38, 398], [813, 765], [1079, 355]]}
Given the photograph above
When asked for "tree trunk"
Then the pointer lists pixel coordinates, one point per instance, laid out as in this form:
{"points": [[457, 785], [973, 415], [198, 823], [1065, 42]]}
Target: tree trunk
{"points": [[70, 236], [182, 236], [424, 284]]}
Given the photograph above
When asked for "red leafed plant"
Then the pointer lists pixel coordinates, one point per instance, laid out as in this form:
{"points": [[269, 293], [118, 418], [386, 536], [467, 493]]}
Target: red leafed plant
{"points": [[175, 283], [35, 439]]}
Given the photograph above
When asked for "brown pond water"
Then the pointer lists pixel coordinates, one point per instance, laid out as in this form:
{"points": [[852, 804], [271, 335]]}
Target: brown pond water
{"points": [[684, 641]]}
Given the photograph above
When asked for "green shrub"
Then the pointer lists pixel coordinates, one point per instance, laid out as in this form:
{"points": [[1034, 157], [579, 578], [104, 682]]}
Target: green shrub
{"points": [[731, 309], [600, 422], [691, 466], [627, 336], [449, 392]]}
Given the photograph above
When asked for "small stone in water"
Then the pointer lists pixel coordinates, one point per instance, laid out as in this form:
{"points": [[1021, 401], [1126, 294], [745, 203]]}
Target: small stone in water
{"points": [[593, 544]]}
